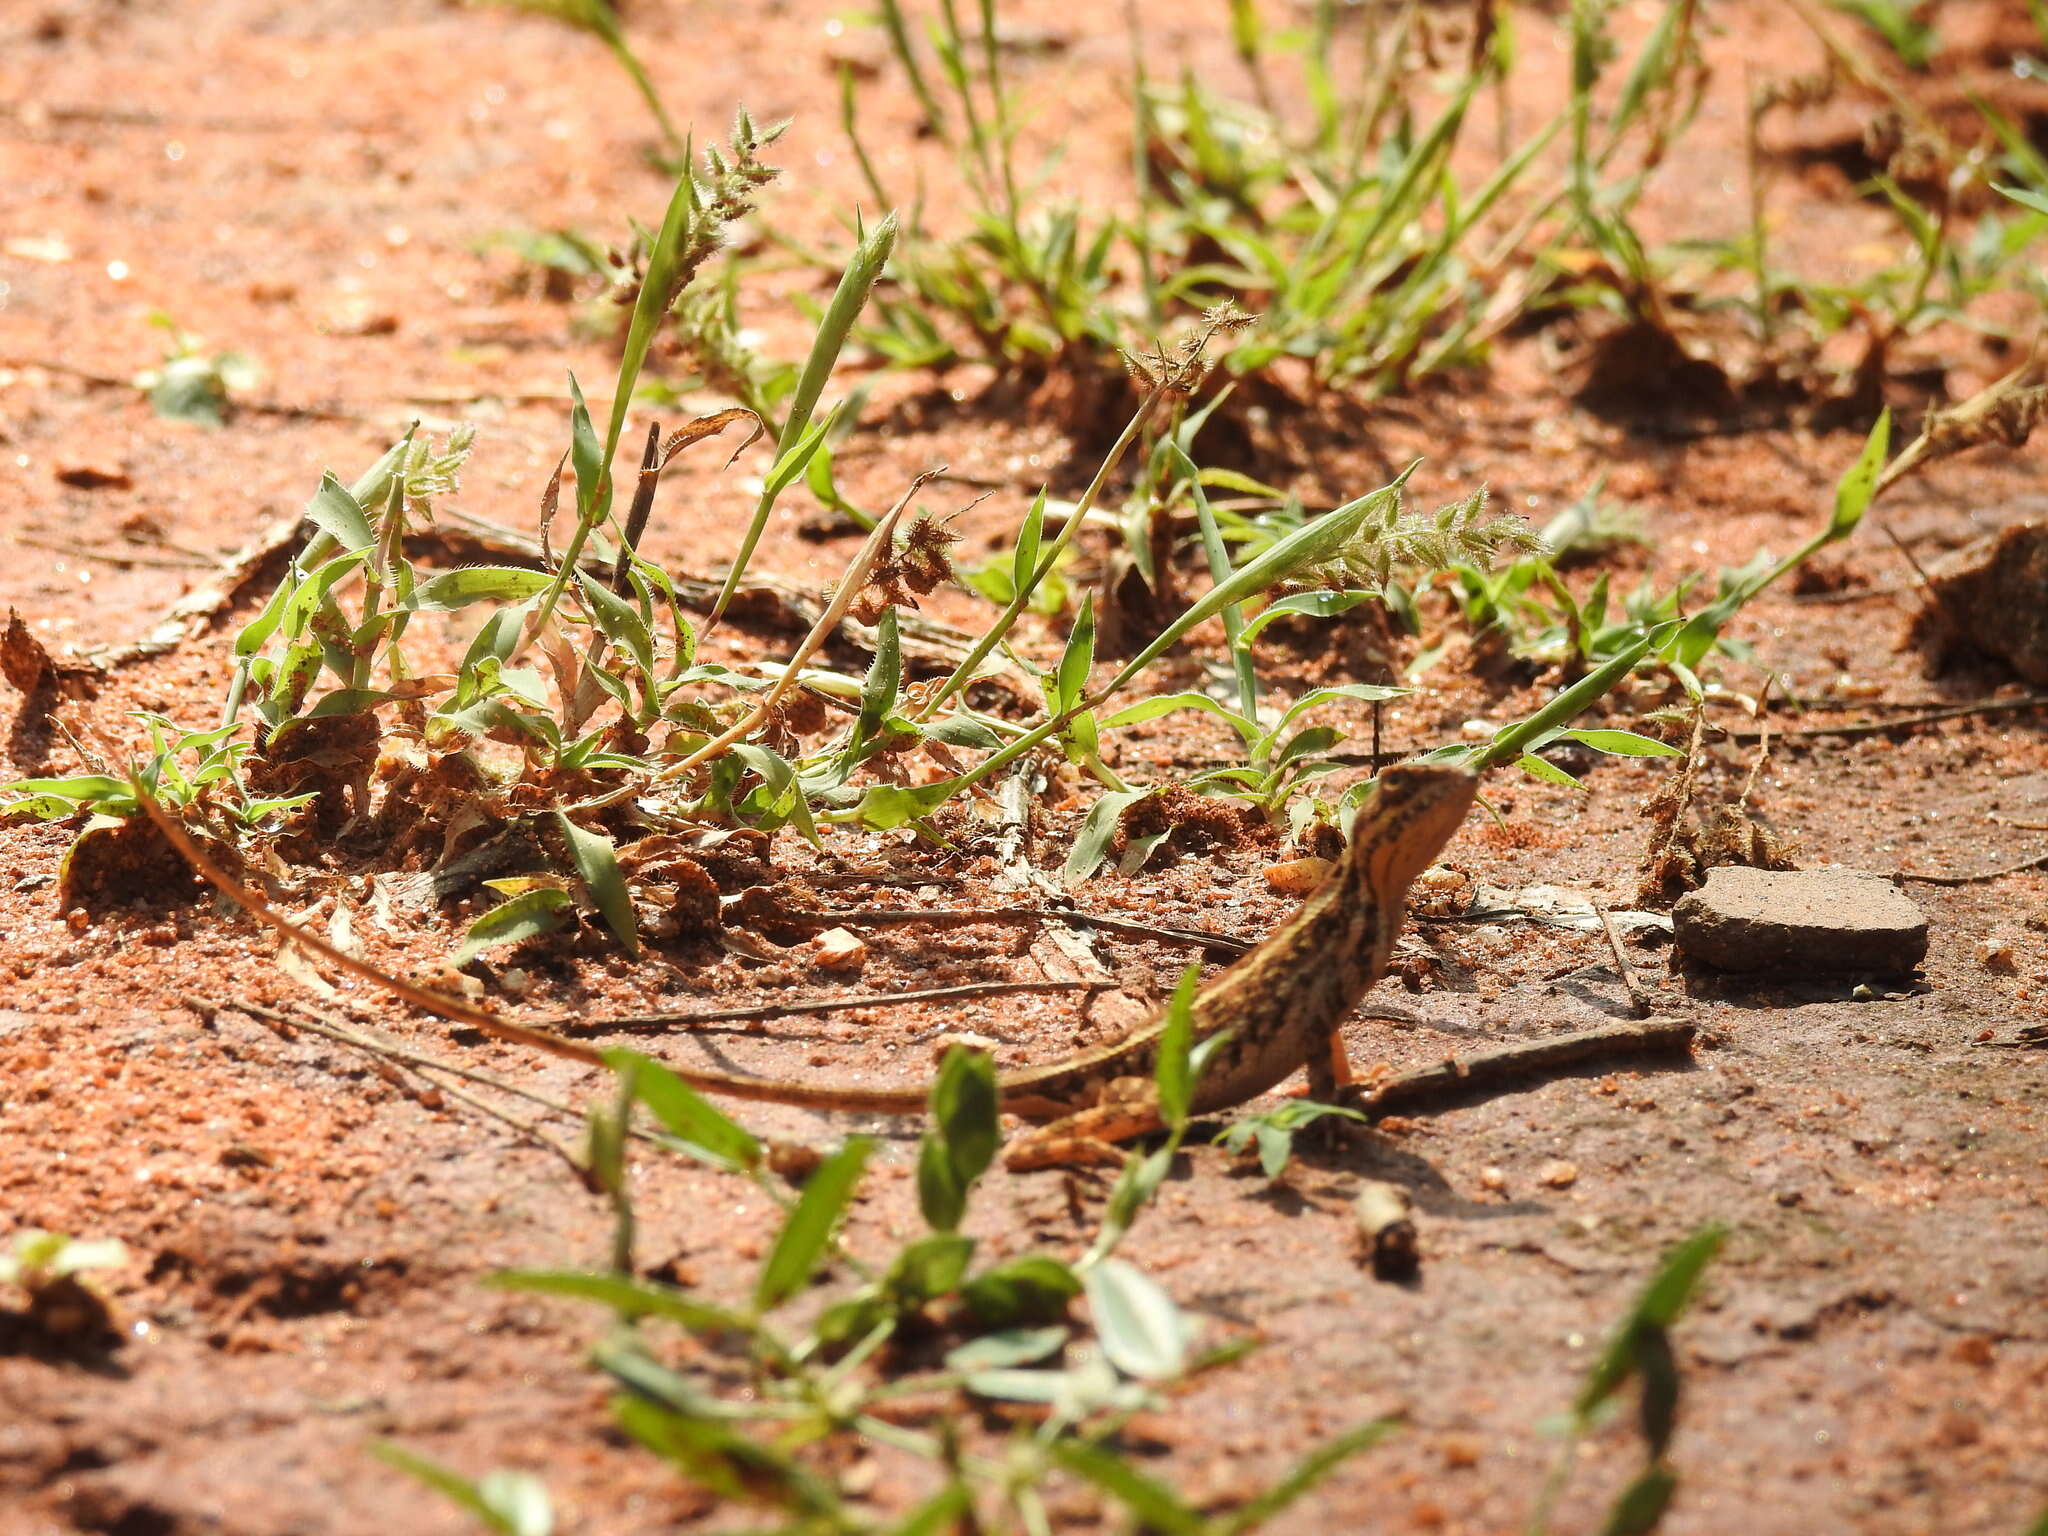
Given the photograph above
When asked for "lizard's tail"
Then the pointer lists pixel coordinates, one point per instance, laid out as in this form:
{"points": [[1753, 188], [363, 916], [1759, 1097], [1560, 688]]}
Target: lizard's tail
{"points": [[462, 1011]]}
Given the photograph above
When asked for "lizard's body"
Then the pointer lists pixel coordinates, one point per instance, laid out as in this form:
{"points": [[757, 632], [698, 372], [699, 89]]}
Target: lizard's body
{"points": [[1282, 1004]]}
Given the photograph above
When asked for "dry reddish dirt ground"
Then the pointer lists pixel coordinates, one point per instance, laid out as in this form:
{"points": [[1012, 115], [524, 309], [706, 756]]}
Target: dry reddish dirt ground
{"points": [[306, 183]]}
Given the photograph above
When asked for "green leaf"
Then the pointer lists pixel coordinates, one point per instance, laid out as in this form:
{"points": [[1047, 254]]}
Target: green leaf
{"points": [[685, 1112], [525, 916], [2038, 201], [1370, 693], [1025, 560], [492, 714], [1142, 1331], [1009, 1348], [1033, 1289], [1640, 1508], [1312, 741], [510, 1503], [1304, 1475], [1154, 1506], [1070, 678], [340, 516], [57, 807], [883, 683], [730, 1464], [929, 1268], [847, 1323], [790, 465], [883, 806], [941, 1192], [944, 1513], [1091, 846], [1320, 604], [1621, 743], [1174, 1073], [1510, 741], [476, 584], [83, 787], [627, 1297], [963, 1141], [870, 256], [1667, 1294], [496, 638], [598, 864], [1541, 768], [1136, 1184], [781, 799], [802, 1241], [1166, 703], [351, 701], [1658, 1308], [1313, 544], [1856, 488], [311, 594], [620, 621], [588, 457], [961, 731], [190, 389]]}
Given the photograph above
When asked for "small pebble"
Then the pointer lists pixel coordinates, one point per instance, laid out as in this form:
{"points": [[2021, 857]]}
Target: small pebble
{"points": [[838, 950], [1297, 877], [1558, 1174], [962, 1037], [1493, 1179], [1996, 954]]}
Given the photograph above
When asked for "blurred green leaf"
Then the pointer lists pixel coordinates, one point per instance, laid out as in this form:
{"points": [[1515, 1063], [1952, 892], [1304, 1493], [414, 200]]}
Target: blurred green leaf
{"points": [[1033, 1289], [509, 1503], [524, 917], [685, 1112], [1154, 1506], [1143, 1333], [625, 1296], [1174, 1074], [598, 864], [802, 1242]]}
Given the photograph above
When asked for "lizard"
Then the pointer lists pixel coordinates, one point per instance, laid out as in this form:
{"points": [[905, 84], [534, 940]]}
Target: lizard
{"points": [[1282, 1004]]}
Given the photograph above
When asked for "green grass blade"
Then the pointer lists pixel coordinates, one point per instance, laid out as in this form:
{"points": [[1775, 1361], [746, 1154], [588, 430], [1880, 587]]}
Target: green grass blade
{"points": [[870, 255]]}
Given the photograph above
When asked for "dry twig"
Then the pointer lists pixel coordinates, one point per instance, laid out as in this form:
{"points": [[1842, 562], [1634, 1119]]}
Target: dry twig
{"points": [[1449, 1082]]}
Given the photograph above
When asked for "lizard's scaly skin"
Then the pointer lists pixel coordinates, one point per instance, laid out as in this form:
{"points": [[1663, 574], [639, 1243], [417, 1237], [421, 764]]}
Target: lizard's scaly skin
{"points": [[1282, 1003]]}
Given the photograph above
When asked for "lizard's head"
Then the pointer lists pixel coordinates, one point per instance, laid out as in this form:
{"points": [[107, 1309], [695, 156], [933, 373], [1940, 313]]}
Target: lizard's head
{"points": [[1414, 810]]}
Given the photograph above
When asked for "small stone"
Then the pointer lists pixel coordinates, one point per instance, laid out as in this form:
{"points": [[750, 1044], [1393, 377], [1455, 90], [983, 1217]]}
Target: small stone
{"points": [[1493, 1180], [1801, 920], [1297, 877], [1440, 891], [358, 317], [1993, 597], [838, 950], [1558, 1174], [1996, 954], [92, 477], [962, 1037]]}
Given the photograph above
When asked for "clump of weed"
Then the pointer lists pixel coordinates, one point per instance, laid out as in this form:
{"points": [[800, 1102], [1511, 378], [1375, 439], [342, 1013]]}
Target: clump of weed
{"points": [[191, 383], [898, 1354]]}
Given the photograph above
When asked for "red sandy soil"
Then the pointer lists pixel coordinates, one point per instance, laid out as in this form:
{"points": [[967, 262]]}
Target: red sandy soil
{"points": [[306, 183]]}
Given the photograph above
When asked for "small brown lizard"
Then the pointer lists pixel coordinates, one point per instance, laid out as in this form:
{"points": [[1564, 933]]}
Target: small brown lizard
{"points": [[1282, 1004]]}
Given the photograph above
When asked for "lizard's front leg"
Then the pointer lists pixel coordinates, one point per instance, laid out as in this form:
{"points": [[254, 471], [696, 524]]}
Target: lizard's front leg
{"points": [[1127, 1107], [1329, 1070], [1332, 1081]]}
